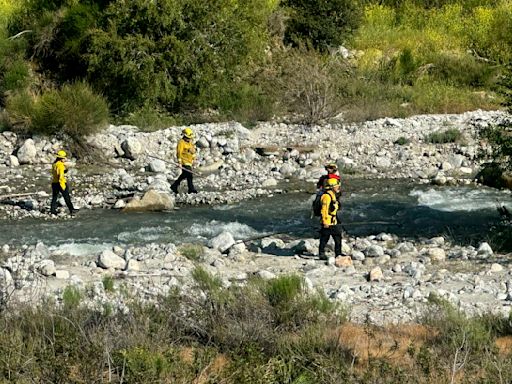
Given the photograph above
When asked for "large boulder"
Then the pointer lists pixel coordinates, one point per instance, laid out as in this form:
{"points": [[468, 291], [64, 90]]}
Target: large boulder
{"points": [[151, 201], [132, 148], [27, 152]]}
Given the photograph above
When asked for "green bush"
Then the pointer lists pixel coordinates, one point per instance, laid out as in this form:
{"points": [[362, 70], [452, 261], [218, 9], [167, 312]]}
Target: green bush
{"points": [[402, 141], [321, 24], [71, 297], [452, 135], [149, 118], [108, 283], [74, 110], [192, 252]]}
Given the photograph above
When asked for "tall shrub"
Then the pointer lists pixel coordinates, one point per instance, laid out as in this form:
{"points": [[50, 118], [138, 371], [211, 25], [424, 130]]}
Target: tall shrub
{"points": [[322, 24]]}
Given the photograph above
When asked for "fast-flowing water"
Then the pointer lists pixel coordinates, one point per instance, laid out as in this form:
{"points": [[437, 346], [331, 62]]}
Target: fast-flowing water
{"points": [[369, 207]]}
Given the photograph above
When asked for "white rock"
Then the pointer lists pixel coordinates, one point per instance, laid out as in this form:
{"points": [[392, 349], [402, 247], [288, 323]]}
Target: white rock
{"points": [[27, 152], [266, 275], [157, 166], [132, 265], [485, 249], [108, 259], [271, 182], [374, 251], [222, 242], [62, 274], [46, 267], [466, 170], [495, 267], [437, 254], [376, 274], [132, 148], [13, 161], [120, 204]]}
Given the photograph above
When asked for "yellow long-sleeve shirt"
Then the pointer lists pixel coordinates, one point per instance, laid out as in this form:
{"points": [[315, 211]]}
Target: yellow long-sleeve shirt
{"points": [[186, 152], [59, 173], [330, 207]]}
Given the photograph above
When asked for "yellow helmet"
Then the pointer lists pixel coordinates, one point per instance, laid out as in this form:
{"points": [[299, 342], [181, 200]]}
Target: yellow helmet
{"points": [[331, 183], [61, 154], [188, 133]]}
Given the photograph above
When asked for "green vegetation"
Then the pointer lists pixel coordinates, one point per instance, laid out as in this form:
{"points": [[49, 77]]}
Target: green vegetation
{"points": [[402, 141], [167, 62], [192, 252], [108, 283], [245, 334], [451, 135]]}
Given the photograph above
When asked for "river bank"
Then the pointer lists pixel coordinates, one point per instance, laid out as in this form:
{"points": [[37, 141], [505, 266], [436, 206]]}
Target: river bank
{"points": [[385, 277]]}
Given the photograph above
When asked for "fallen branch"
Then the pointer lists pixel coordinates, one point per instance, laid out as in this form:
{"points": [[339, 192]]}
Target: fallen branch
{"points": [[20, 34], [40, 193], [178, 165]]}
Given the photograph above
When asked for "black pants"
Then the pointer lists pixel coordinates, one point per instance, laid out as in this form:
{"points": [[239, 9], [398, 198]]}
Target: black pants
{"points": [[185, 174], [325, 234], [56, 189]]}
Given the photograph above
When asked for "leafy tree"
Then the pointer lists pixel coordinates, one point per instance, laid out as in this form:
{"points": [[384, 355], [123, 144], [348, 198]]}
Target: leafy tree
{"points": [[171, 53], [322, 24]]}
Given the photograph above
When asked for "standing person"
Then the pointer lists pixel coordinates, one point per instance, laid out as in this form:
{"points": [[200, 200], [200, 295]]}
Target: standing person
{"points": [[328, 219], [332, 173], [59, 184], [186, 154]]}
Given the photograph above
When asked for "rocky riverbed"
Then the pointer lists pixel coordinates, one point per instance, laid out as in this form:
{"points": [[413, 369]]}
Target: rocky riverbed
{"points": [[382, 277]]}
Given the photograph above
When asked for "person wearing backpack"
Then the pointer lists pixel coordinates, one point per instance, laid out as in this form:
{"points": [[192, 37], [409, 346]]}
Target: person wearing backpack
{"points": [[332, 173], [328, 218]]}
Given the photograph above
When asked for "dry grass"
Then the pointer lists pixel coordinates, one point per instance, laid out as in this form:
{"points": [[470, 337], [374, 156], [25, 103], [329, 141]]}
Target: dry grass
{"points": [[391, 343]]}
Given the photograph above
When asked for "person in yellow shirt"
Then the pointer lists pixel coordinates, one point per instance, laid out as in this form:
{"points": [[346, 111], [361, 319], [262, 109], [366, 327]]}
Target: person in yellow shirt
{"points": [[59, 184], [328, 219], [186, 154]]}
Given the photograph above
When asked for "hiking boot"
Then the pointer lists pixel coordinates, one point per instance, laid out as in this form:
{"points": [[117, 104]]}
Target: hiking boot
{"points": [[321, 256], [193, 191], [174, 188], [74, 211]]}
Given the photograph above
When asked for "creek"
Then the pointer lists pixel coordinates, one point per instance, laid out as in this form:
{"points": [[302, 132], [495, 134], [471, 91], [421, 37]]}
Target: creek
{"points": [[462, 214]]}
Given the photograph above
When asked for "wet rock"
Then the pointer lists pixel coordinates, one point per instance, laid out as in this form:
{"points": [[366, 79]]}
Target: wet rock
{"points": [[151, 201]]}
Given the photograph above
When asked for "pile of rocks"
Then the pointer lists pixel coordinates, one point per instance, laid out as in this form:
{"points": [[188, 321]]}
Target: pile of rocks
{"points": [[382, 277]]}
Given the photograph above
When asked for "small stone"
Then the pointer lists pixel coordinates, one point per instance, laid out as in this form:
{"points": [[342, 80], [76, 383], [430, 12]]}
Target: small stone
{"points": [[343, 261], [437, 254], [265, 275], [375, 274], [62, 274]]}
